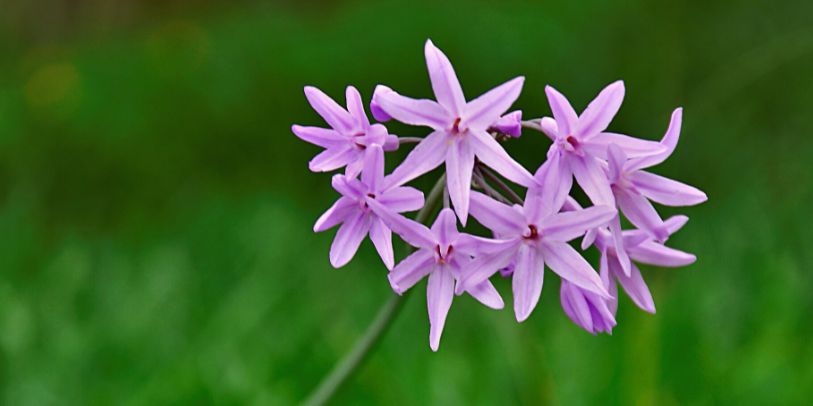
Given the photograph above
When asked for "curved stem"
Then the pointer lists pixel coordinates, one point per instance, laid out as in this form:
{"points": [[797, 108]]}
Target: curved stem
{"points": [[383, 320], [491, 177], [409, 140]]}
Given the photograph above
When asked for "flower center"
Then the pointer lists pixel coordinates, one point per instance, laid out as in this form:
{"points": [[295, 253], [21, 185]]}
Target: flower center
{"points": [[443, 257], [456, 126], [532, 234]]}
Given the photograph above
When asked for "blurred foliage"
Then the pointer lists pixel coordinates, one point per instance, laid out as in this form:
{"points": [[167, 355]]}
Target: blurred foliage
{"points": [[156, 211]]}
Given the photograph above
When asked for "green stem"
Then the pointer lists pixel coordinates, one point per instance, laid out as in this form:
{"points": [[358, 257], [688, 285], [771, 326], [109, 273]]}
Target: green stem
{"points": [[383, 320]]}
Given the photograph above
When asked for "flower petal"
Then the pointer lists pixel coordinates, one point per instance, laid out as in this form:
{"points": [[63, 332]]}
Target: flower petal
{"points": [[401, 199], [498, 217], [632, 147], [526, 283], [335, 214], [427, 155], [439, 295], [421, 112], [445, 227], [444, 81], [575, 306], [483, 111], [411, 270], [598, 114], [348, 238], [666, 191], [372, 174], [639, 211], [550, 191], [459, 166], [568, 264], [652, 253], [494, 156], [635, 287], [378, 113], [510, 124], [592, 179], [615, 160], [549, 127], [487, 294], [669, 142], [334, 158], [334, 115], [618, 244], [566, 118], [381, 236], [323, 137], [568, 225], [486, 264], [356, 108], [414, 233]]}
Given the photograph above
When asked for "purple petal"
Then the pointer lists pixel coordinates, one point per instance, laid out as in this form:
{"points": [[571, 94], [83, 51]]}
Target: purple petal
{"points": [[675, 223], [421, 112], [372, 174], [618, 243], [666, 191], [635, 287], [411, 270], [444, 81], [323, 137], [652, 253], [335, 214], [669, 142], [609, 281], [494, 156], [592, 179], [401, 199], [632, 147], [568, 225], [439, 295], [459, 166], [639, 211], [347, 186], [334, 158], [356, 107], [510, 124], [550, 191], [527, 281], [414, 233], [615, 160], [445, 227], [549, 127], [473, 245], [566, 118], [486, 264], [485, 110], [575, 306], [598, 114], [569, 265], [391, 143], [348, 239], [334, 115], [381, 236], [427, 155], [486, 294], [498, 217], [378, 113]]}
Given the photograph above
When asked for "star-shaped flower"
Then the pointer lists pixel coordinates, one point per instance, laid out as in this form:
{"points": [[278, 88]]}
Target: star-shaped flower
{"points": [[361, 208], [460, 130], [531, 236], [350, 133], [581, 140], [443, 254], [633, 187]]}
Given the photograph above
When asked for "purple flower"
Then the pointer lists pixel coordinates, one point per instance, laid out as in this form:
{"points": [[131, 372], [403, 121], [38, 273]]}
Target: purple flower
{"points": [[350, 133], [460, 130], [443, 254], [580, 139], [587, 309], [533, 235], [633, 188], [361, 208], [510, 124], [642, 249]]}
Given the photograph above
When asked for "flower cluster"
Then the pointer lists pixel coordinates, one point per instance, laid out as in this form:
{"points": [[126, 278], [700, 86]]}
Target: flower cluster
{"points": [[528, 234]]}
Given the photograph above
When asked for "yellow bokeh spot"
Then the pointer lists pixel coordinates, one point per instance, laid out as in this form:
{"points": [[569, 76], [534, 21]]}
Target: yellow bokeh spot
{"points": [[51, 84]]}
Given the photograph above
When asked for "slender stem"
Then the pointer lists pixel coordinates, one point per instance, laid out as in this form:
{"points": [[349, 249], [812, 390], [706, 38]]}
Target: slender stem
{"points": [[482, 184], [534, 124], [491, 177], [409, 140], [383, 320]]}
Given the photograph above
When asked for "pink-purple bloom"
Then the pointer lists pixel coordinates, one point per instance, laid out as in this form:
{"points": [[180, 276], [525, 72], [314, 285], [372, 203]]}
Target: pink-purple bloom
{"points": [[350, 133], [460, 130]]}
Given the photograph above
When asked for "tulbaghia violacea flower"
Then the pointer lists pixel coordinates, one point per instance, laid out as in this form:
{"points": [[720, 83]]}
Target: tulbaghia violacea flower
{"points": [[443, 254], [587, 309], [350, 133], [642, 249], [361, 207], [633, 187], [460, 130], [534, 235], [581, 139]]}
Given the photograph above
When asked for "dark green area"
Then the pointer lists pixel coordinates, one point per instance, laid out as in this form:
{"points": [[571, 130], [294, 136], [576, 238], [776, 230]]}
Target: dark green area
{"points": [[156, 211]]}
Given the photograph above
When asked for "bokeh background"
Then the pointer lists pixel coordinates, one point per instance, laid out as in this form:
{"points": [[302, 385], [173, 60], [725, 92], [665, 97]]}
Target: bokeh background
{"points": [[156, 211]]}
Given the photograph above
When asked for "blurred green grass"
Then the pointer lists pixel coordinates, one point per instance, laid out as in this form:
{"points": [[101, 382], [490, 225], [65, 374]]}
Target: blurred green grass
{"points": [[156, 210]]}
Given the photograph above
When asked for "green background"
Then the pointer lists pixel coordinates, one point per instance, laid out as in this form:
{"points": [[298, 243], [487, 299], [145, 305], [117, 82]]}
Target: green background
{"points": [[156, 211]]}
